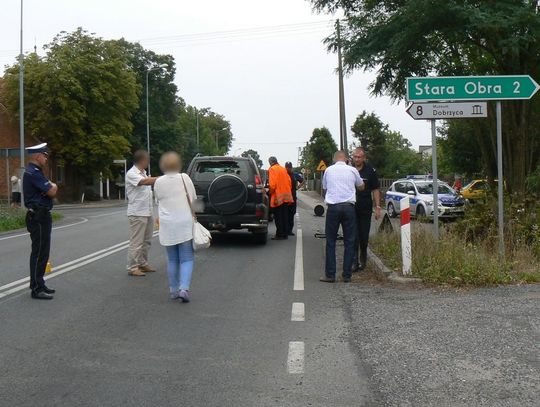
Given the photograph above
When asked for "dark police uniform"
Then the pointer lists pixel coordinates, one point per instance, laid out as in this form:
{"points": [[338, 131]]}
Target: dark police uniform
{"points": [[295, 180], [38, 223], [364, 209]]}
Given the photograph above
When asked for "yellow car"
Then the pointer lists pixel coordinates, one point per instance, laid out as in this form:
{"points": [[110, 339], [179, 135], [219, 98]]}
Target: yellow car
{"points": [[475, 190]]}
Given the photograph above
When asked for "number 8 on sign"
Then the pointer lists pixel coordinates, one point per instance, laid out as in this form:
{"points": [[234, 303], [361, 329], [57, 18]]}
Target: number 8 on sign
{"points": [[419, 110]]}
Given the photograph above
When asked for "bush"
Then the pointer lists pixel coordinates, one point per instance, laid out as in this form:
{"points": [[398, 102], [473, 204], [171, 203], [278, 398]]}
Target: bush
{"points": [[12, 219], [454, 261]]}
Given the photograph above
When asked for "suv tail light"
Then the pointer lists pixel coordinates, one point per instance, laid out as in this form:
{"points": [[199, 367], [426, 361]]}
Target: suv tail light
{"points": [[258, 182], [259, 212]]}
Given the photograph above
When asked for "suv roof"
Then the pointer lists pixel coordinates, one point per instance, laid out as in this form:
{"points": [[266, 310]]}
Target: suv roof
{"points": [[220, 158]]}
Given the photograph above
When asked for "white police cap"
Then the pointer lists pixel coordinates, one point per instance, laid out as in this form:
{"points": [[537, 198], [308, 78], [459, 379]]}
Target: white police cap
{"points": [[39, 148]]}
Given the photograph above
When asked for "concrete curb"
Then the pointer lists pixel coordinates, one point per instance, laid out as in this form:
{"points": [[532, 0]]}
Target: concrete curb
{"points": [[380, 268]]}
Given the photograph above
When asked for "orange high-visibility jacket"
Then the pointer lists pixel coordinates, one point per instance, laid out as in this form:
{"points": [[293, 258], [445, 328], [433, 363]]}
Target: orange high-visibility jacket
{"points": [[280, 185]]}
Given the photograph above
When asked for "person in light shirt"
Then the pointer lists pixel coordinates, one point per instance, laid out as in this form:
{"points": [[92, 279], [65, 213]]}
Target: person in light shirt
{"points": [[172, 191], [140, 214], [340, 183]]}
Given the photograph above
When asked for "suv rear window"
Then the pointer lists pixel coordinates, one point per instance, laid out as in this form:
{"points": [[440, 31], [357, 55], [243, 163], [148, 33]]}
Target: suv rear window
{"points": [[210, 170]]}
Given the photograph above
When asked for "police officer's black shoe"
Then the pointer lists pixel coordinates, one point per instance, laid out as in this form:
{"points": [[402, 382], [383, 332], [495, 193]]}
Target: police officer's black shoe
{"points": [[41, 295], [49, 290]]}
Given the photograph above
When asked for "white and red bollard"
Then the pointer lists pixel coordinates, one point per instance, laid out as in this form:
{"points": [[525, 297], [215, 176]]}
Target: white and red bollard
{"points": [[406, 250]]}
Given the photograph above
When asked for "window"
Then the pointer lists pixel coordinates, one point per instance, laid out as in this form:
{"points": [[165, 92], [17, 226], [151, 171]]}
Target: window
{"points": [[210, 170], [401, 187], [427, 188]]}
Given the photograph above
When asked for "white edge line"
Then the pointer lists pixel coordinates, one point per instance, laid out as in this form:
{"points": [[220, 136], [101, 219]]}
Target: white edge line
{"points": [[295, 359], [84, 220], [66, 267]]}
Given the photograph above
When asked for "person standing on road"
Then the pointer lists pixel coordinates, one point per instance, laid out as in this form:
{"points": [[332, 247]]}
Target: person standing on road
{"points": [[173, 190], [279, 184], [140, 214], [15, 192], [340, 182], [364, 207], [38, 199], [295, 180]]}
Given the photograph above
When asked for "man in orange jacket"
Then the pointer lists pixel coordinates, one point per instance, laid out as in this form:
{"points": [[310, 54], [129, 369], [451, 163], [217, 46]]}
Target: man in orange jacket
{"points": [[279, 183]]}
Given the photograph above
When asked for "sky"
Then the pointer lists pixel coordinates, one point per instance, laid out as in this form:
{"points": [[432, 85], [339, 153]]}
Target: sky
{"points": [[261, 63]]}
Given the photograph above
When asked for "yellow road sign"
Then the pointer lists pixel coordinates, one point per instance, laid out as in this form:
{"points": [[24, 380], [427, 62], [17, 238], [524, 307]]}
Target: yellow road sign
{"points": [[322, 166]]}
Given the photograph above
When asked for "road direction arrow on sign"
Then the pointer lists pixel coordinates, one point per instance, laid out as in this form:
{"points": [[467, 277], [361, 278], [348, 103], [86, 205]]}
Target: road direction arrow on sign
{"points": [[454, 88], [445, 111], [322, 166]]}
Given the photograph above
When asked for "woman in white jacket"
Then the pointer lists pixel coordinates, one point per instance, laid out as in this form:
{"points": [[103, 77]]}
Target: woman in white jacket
{"points": [[172, 191]]}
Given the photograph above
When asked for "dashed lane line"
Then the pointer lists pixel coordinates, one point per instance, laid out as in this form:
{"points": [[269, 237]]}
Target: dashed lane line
{"points": [[298, 313], [295, 359]]}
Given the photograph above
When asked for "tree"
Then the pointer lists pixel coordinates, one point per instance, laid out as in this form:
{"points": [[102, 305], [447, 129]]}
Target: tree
{"points": [[388, 151], [321, 146], [255, 155], [467, 37], [164, 104], [371, 133], [79, 98]]}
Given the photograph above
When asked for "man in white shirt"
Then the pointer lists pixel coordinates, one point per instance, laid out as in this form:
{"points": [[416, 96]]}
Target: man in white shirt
{"points": [[140, 214], [340, 183]]}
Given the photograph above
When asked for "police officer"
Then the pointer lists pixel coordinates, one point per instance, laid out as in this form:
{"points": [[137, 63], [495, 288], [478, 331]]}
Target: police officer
{"points": [[38, 192], [364, 206]]}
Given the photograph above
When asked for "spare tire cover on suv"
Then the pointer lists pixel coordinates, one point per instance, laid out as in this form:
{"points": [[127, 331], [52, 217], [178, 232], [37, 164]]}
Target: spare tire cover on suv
{"points": [[227, 194]]}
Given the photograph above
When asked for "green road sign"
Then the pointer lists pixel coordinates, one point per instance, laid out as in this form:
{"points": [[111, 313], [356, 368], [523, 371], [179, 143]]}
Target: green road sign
{"points": [[453, 88]]}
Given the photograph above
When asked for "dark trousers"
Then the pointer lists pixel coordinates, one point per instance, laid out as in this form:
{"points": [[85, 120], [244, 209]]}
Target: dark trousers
{"points": [[291, 212], [39, 225], [343, 215], [363, 226], [281, 219]]}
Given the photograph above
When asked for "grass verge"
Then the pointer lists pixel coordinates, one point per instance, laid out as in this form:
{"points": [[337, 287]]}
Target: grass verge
{"points": [[454, 261], [13, 219]]}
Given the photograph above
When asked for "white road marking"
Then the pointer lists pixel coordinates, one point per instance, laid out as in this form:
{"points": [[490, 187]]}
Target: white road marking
{"points": [[22, 284], [295, 360], [83, 220], [299, 263], [298, 313], [106, 214]]}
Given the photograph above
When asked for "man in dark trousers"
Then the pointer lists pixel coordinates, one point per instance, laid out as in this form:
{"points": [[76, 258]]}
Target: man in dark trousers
{"points": [[295, 180], [364, 207], [38, 193], [340, 182], [279, 184]]}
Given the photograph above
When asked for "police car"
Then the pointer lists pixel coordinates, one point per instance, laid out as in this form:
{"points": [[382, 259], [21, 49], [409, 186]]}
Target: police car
{"points": [[421, 198]]}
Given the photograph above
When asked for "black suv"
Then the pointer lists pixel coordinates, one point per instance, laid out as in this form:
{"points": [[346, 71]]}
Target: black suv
{"points": [[230, 194]]}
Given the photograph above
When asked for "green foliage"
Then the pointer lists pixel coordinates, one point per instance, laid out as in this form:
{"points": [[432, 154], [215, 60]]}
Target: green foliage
{"points": [[12, 219], [79, 98], [399, 39], [455, 262], [460, 150], [255, 155], [321, 146], [388, 151]]}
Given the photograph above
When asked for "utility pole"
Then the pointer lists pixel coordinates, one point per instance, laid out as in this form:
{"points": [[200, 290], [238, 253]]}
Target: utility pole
{"points": [[198, 140], [21, 97], [342, 118]]}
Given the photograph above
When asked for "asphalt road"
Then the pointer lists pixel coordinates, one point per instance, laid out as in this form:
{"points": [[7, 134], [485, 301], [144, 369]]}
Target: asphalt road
{"points": [[260, 330], [108, 339]]}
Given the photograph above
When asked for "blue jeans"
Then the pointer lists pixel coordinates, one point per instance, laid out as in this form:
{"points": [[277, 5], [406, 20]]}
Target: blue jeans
{"points": [[344, 215], [180, 265]]}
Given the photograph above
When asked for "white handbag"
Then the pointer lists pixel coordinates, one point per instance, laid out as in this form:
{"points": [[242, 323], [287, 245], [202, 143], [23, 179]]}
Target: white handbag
{"points": [[201, 236]]}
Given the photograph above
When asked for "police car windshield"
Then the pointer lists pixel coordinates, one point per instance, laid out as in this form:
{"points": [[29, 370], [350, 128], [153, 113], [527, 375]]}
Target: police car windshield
{"points": [[427, 188]]}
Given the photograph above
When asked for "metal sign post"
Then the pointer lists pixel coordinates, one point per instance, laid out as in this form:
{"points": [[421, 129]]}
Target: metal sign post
{"points": [[435, 173], [501, 179]]}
